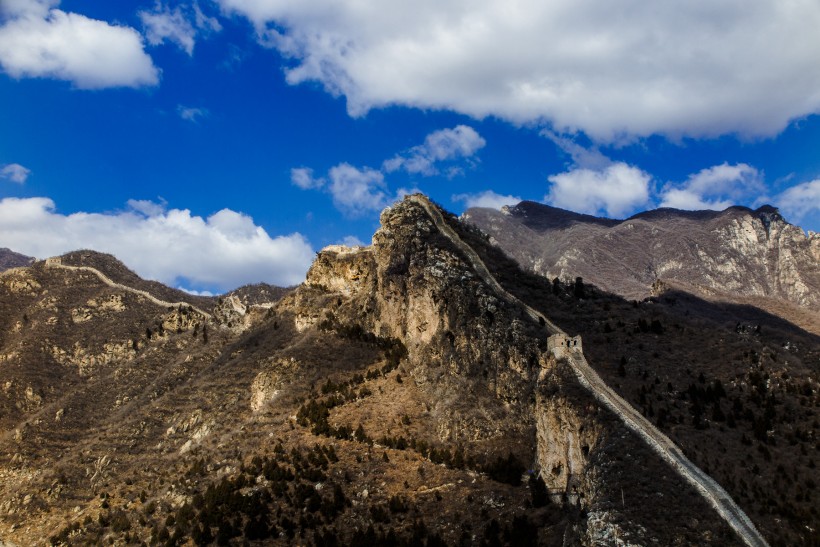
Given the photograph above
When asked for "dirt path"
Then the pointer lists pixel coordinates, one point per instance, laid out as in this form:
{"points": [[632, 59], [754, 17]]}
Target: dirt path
{"points": [[714, 494]]}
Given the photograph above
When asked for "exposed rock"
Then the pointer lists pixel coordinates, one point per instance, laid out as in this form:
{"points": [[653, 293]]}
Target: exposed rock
{"points": [[397, 386], [736, 251], [268, 383]]}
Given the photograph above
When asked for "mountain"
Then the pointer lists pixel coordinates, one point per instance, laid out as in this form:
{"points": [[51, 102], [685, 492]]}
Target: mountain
{"points": [[10, 259], [422, 390], [736, 253]]}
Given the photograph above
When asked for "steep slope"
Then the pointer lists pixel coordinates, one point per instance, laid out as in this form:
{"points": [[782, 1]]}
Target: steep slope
{"points": [[570, 350], [734, 386], [398, 396], [736, 252]]}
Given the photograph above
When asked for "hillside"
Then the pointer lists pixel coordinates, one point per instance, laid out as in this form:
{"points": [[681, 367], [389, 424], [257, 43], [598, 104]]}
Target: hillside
{"points": [[399, 396], [10, 259], [736, 253]]}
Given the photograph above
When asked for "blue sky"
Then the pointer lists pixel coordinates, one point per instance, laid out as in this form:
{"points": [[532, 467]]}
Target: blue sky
{"points": [[214, 143]]}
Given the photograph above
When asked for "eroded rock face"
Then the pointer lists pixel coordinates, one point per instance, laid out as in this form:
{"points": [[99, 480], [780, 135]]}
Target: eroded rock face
{"points": [[568, 433], [412, 285], [268, 384], [346, 270]]}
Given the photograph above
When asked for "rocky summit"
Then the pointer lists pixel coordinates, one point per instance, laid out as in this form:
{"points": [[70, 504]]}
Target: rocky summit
{"points": [[423, 390]]}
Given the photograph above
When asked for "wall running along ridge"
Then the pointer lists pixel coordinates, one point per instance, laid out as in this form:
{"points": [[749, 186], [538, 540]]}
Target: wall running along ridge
{"points": [[714, 494]]}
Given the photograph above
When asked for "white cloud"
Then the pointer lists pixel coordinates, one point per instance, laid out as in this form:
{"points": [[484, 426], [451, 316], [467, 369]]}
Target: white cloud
{"points": [[178, 26], [487, 198], [443, 145], [195, 292], [38, 41], [15, 173], [147, 207], [715, 188], [617, 190], [609, 69], [357, 191], [353, 241], [222, 251], [590, 158], [800, 200], [304, 179], [191, 114], [204, 22], [30, 8]]}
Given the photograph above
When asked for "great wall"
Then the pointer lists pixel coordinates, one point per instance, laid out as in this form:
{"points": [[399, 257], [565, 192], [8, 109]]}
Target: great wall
{"points": [[568, 348], [56, 262], [563, 347]]}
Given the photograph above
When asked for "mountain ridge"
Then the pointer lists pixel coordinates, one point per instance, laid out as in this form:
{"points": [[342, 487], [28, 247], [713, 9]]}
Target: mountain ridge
{"points": [[420, 385], [738, 251]]}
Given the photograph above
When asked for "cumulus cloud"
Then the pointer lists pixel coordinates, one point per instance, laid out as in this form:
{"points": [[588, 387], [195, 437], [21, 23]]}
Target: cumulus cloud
{"points": [[191, 114], [222, 251], [606, 68], [179, 25], [40, 41], [800, 200], [487, 198], [715, 188], [357, 191], [304, 179], [15, 173], [443, 145], [616, 190]]}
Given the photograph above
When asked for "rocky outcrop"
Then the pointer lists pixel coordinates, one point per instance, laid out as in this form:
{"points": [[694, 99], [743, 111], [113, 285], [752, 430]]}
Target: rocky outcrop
{"points": [[413, 285], [268, 384], [433, 293]]}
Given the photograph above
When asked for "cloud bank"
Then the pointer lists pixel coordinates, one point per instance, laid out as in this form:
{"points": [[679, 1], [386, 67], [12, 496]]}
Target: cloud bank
{"points": [[222, 251], [609, 69], [40, 41]]}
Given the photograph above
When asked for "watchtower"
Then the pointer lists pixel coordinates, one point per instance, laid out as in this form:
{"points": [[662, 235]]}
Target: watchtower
{"points": [[560, 345]]}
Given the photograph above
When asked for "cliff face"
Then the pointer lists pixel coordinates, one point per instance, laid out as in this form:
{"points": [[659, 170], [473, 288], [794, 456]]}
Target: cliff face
{"points": [[735, 252], [493, 389], [462, 340]]}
